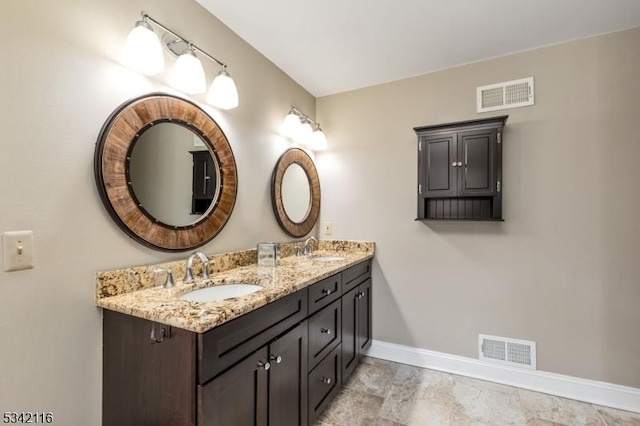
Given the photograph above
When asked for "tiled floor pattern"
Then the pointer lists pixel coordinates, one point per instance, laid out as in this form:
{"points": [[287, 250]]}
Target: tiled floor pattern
{"points": [[386, 393]]}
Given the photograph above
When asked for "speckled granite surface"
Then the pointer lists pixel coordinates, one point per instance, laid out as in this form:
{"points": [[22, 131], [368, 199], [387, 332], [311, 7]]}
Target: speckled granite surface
{"points": [[134, 291]]}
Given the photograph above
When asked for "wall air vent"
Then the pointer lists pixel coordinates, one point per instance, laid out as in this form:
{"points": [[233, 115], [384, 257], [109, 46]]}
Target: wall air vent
{"points": [[509, 94], [502, 350]]}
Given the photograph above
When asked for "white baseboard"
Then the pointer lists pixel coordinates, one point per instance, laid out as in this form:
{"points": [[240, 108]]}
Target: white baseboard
{"points": [[600, 393]]}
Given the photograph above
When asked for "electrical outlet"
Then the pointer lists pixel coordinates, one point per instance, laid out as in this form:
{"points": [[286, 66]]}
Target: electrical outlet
{"points": [[328, 228], [18, 250]]}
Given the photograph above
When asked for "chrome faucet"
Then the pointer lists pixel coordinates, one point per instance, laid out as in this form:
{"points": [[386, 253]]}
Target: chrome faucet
{"points": [[188, 276], [307, 248]]}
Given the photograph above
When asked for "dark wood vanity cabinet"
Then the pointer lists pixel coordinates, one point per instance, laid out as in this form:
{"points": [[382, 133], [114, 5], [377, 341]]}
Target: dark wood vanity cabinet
{"points": [[460, 170], [356, 318], [278, 365]]}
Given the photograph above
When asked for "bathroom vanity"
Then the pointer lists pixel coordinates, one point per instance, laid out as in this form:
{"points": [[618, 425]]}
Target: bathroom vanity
{"points": [[278, 364]]}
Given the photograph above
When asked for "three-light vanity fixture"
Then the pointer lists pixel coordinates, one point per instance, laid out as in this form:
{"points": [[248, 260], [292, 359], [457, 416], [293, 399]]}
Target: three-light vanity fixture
{"points": [[143, 53], [297, 126]]}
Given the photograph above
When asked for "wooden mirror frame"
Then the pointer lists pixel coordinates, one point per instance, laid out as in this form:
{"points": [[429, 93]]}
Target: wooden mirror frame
{"points": [[111, 165], [301, 158]]}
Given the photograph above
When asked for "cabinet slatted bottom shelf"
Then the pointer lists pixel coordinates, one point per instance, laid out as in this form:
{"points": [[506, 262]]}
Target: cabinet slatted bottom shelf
{"points": [[460, 208]]}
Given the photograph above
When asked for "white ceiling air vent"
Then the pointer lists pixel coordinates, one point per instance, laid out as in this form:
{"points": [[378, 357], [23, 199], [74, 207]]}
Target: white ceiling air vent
{"points": [[502, 350], [509, 94]]}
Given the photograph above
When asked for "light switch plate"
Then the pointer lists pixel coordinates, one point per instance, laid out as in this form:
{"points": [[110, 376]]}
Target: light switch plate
{"points": [[328, 228], [18, 250]]}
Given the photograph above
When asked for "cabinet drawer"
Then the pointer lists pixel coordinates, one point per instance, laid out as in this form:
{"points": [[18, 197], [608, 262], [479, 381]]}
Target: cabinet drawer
{"points": [[355, 275], [227, 344], [324, 383], [324, 292], [325, 329]]}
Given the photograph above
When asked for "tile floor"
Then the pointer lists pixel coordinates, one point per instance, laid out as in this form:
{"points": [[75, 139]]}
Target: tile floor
{"points": [[390, 394]]}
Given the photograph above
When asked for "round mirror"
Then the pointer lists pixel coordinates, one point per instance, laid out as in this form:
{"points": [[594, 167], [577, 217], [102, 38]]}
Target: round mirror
{"points": [[170, 168], [295, 192], [165, 172]]}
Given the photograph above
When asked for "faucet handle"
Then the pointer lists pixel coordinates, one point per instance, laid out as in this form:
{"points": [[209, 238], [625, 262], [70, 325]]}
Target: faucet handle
{"points": [[298, 250], [169, 282], [188, 276]]}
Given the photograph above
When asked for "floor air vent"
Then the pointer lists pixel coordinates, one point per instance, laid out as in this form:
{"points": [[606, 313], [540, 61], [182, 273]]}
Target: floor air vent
{"points": [[502, 350], [508, 94]]}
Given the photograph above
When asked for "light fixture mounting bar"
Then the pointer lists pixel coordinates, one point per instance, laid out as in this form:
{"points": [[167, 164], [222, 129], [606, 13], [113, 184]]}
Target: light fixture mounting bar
{"points": [[145, 17], [302, 114]]}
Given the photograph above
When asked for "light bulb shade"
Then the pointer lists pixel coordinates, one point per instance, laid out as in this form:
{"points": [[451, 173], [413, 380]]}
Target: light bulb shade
{"points": [[187, 74], [290, 125], [318, 141], [142, 50], [223, 93], [304, 134]]}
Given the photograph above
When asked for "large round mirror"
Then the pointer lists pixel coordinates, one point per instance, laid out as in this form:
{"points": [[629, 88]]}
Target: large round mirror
{"points": [[165, 172], [295, 192]]}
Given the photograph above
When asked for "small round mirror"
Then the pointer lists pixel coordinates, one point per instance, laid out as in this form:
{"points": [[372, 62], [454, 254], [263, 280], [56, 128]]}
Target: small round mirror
{"points": [[173, 175], [296, 193]]}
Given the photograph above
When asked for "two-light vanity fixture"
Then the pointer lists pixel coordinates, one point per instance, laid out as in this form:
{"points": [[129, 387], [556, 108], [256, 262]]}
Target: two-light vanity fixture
{"points": [[297, 126], [143, 53]]}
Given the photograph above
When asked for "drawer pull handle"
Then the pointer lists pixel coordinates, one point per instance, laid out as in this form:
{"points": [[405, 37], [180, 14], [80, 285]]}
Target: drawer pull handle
{"points": [[326, 380], [325, 331], [265, 365], [277, 359], [326, 291], [360, 295]]}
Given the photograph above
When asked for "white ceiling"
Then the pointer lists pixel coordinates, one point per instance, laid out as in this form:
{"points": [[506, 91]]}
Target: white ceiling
{"points": [[331, 46]]}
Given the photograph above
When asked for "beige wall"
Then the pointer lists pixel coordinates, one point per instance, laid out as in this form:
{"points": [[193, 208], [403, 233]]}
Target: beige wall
{"points": [[563, 269], [59, 80]]}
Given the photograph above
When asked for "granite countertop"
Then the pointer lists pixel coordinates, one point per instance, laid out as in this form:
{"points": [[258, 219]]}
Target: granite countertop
{"points": [[164, 305]]}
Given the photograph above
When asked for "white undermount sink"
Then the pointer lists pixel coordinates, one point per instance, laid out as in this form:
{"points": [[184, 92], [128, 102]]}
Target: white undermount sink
{"points": [[220, 292], [327, 258]]}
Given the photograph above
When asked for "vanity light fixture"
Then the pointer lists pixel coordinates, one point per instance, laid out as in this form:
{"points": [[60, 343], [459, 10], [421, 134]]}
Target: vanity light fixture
{"points": [[305, 133], [143, 53], [187, 74], [299, 127]]}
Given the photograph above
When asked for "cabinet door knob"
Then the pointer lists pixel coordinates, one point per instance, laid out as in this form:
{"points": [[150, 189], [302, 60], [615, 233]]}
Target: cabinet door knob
{"points": [[326, 291], [265, 365], [326, 380], [360, 295], [325, 331], [277, 359], [459, 163], [454, 164]]}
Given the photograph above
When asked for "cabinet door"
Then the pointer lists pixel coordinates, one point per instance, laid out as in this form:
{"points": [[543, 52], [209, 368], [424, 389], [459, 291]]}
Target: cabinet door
{"points": [[363, 326], [204, 181], [349, 342], [477, 153], [438, 165], [288, 398], [137, 374], [238, 396]]}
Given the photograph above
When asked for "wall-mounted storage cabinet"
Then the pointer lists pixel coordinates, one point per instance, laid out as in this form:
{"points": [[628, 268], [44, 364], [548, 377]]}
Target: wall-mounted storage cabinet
{"points": [[204, 182], [460, 170]]}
